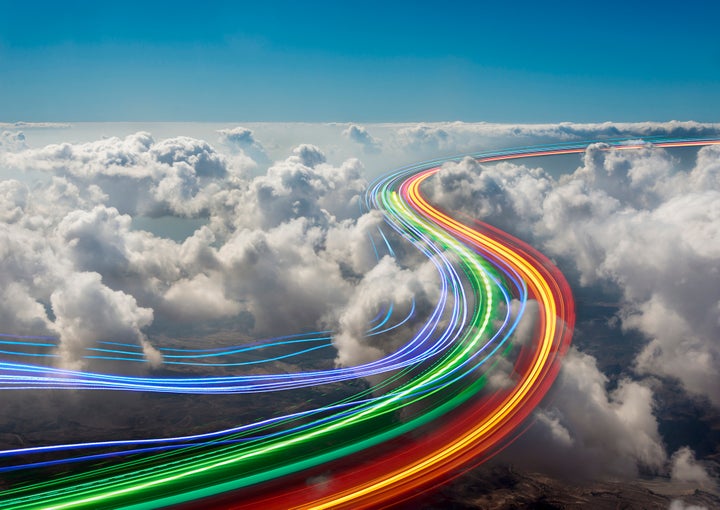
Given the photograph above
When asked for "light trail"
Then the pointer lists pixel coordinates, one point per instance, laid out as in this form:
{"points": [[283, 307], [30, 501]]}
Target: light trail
{"points": [[432, 413]]}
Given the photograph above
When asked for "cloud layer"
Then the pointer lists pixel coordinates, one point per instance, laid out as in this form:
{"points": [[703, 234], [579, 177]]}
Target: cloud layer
{"points": [[277, 232], [284, 250], [629, 218], [643, 225]]}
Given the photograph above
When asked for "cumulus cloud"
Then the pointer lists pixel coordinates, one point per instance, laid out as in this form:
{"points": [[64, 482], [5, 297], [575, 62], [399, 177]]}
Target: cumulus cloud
{"points": [[136, 174], [13, 200], [238, 135], [421, 138], [349, 244], [309, 155], [360, 135], [301, 186], [244, 139], [630, 218], [284, 248], [593, 431], [660, 245], [136, 262], [29, 272], [196, 154], [385, 283], [454, 137], [684, 468], [288, 249], [96, 238], [506, 195], [87, 311], [278, 249], [283, 275], [643, 224], [21, 312], [46, 292], [12, 141], [200, 298]]}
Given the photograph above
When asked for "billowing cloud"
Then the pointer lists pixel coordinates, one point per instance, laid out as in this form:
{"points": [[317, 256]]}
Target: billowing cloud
{"points": [[21, 312], [685, 468], [506, 195], [87, 311], [238, 135], [244, 139], [285, 237], [630, 218], [309, 155], [592, 430], [458, 137], [284, 246], [137, 175], [12, 141], [348, 243], [360, 135], [13, 200], [301, 186], [200, 298], [271, 241], [421, 138], [29, 271], [385, 283], [643, 225]]}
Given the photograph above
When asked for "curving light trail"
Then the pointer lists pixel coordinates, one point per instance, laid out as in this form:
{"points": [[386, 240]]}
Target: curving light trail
{"points": [[453, 394]]}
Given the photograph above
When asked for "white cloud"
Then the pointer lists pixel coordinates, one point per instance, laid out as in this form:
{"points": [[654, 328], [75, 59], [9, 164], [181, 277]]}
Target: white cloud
{"points": [[34, 125], [282, 275], [12, 141], [13, 200], [244, 139], [349, 242], [630, 218], [360, 135], [200, 298], [237, 135], [136, 174], [421, 138], [684, 468], [282, 247], [86, 311], [678, 504], [458, 137], [589, 431], [289, 248], [30, 265], [21, 313], [309, 155], [506, 195], [301, 186], [385, 283]]}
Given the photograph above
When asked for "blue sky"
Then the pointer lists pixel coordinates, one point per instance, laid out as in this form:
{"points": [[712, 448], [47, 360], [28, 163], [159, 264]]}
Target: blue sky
{"points": [[365, 62]]}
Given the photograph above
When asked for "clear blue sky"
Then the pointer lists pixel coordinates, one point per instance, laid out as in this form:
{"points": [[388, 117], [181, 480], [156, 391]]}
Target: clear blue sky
{"points": [[359, 61]]}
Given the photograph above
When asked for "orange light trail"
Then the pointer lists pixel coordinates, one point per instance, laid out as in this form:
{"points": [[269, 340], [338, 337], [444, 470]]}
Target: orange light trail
{"points": [[557, 318]]}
